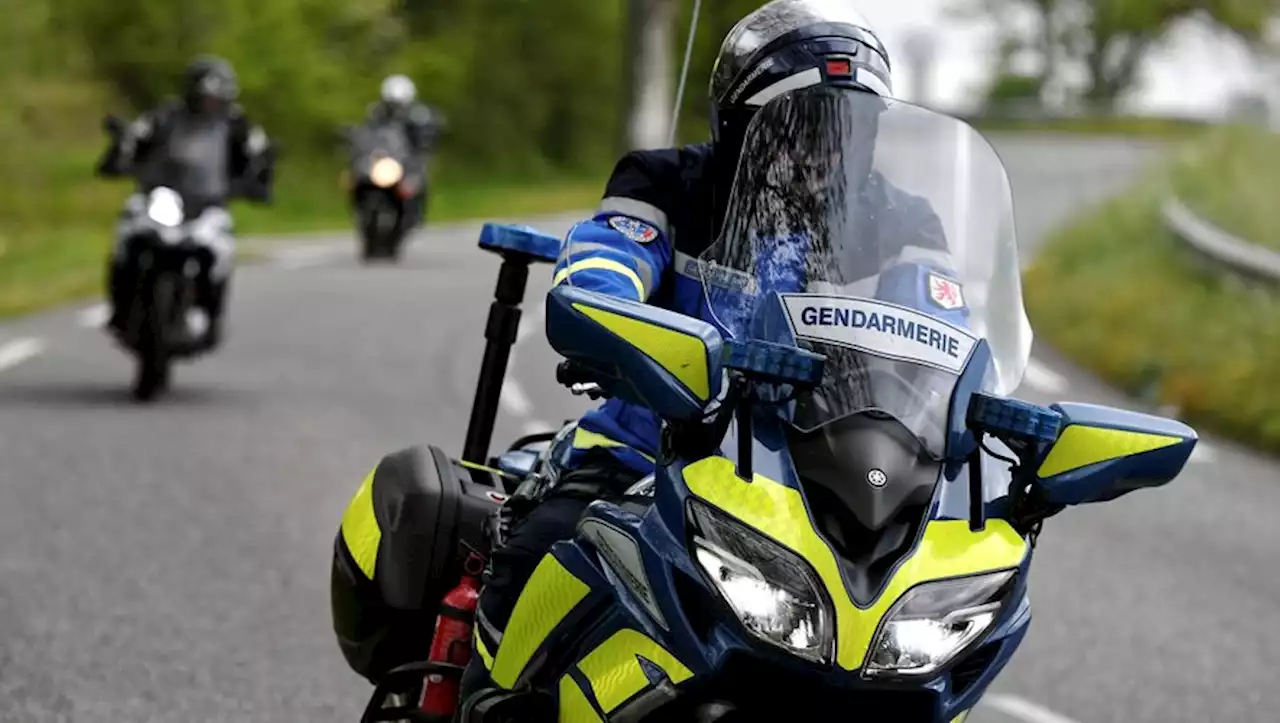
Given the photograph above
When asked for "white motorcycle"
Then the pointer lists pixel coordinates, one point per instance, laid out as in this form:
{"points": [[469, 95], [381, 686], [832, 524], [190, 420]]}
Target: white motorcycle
{"points": [[163, 321]]}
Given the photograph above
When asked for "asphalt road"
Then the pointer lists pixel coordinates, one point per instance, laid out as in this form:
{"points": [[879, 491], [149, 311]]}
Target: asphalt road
{"points": [[171, 563]]}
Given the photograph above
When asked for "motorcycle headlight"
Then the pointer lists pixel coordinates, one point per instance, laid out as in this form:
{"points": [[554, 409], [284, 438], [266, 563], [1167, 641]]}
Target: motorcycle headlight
{"points": [[933, 623], [164, 206], [386, 172], [775, 594]]}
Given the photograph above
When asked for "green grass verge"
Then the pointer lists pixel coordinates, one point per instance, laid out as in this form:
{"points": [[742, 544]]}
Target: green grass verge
{"points": [[1123, 298], [56, 230], [1232, 180]]}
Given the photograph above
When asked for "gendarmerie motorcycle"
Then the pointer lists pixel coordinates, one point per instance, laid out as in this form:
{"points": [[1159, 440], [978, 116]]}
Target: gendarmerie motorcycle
{"points": [[384, 180], [886, 576]]}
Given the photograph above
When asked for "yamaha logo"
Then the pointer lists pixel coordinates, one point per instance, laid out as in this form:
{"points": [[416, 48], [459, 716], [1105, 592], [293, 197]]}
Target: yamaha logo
{"points": [[877, 478]]}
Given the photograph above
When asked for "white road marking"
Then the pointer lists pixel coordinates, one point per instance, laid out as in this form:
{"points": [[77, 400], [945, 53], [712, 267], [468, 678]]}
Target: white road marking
{"points": [[531, 322], [19, 350], [514, 400], [1023, 709], [293, 263], [1204, 453], [537, 426], [1044, 379], [307, 256], [95, 317]]}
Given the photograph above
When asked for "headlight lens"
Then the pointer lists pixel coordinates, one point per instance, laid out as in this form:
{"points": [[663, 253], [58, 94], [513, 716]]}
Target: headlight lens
{"points": [[935, 622], [164, 206], [774, 592], [386, 172]]}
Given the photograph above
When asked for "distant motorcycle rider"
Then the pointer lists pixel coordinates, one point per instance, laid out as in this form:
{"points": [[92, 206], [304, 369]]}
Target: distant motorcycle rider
{"points": [[661, 209], [398, 103], [204, 147]]}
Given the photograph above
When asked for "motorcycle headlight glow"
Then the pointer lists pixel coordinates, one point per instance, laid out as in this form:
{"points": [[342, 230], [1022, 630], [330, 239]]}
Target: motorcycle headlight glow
{"points": [[775, 594], [164, 206], [933, 623], [386, 172]]}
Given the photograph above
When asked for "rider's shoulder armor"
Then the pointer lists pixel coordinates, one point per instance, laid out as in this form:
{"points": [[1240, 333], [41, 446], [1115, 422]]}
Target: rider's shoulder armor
{"points": [[676, 182], [160, 118], [420, 114]]}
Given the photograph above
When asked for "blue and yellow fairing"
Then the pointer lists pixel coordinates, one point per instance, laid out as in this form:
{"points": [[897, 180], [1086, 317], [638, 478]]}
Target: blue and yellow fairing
{"points": [[577, 612], [622, 619]]}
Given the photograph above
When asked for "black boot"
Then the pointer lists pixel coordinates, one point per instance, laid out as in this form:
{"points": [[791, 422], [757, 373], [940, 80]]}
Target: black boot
{"points": [[120, 282], [212, 301]]}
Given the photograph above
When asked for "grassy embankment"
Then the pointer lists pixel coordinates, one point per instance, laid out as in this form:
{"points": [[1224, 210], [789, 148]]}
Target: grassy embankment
{"points": [[1124, 298]]}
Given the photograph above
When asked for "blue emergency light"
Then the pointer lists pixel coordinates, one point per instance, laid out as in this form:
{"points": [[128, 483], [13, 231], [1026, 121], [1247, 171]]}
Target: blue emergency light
{"points": [[527, 240], [767, 361], [1013, 419]]}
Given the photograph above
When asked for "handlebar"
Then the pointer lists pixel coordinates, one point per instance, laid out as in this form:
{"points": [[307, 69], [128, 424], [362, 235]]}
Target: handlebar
{"points": [[114, 125], [569, 373], [579, 379]]}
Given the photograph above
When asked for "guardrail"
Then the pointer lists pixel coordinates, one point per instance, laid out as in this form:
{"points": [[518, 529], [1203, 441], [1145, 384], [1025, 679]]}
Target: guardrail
{"points": [[1238, 254]]}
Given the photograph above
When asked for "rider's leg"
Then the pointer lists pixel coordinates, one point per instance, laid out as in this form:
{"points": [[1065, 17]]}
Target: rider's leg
{"points": [[213, 301], [121, 267], [597, 475], [120, 283], [420, 206], [510, 567], [213, 230]]}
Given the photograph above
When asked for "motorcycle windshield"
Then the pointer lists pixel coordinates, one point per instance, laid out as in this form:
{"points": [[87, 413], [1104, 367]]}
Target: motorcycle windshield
{"points": [[387, 139], [880, 234]]}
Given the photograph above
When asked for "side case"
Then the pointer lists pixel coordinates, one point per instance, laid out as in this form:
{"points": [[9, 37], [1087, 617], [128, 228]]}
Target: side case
{"points": [[399, 550]]}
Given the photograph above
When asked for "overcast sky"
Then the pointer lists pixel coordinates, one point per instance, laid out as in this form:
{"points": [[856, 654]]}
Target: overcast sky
{"points": [[1196, 74]]}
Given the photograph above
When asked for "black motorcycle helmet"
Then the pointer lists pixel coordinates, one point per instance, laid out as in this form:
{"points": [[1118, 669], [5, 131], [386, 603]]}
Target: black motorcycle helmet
{"points": [[782, 46], [209, 85]]}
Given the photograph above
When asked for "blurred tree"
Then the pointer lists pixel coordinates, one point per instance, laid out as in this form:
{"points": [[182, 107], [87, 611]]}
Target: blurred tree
{"points": [[1117, 34], [718, 17], [1012, 92], [525, 84], [649, 74], [1111, 37], [528, 85], [1045, 41]]}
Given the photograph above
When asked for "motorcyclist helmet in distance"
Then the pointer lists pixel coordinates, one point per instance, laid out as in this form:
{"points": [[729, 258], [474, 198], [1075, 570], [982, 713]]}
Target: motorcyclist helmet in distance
{"points": [[398, 92], [209, 84]]}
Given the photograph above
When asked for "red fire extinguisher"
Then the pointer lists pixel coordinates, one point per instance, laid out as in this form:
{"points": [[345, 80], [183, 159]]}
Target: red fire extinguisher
{"points": [[451, 642]]}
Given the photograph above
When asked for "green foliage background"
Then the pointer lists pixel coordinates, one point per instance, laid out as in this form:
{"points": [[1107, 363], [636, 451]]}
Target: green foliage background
{"points": [[533, 91], [528, 86]]}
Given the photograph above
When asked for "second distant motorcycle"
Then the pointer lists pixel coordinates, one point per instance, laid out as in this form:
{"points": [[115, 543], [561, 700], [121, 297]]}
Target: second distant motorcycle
{"points": [[387, 176], [383, 181]]}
